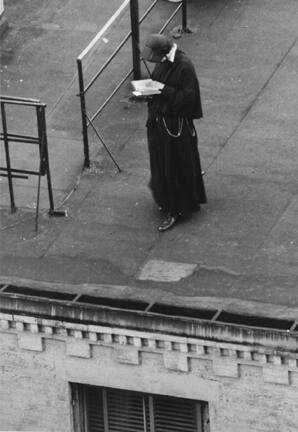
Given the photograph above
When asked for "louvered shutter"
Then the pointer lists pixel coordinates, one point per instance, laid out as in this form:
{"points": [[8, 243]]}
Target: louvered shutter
{"points": [[95, 416], [125, 411], [111, 410], [174, 415]]}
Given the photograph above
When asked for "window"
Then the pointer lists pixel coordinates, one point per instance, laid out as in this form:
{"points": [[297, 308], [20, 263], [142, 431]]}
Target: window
{"points": [[99, 409]]}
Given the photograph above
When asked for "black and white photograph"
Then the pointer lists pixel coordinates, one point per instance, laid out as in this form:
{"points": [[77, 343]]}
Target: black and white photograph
{"points": [[149, 216]]}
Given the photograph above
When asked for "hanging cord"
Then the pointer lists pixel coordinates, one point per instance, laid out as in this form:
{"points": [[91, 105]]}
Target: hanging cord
{"points": [[180, 127]]}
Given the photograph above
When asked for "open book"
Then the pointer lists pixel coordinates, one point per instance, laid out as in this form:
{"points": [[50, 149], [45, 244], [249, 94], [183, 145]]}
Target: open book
{"points": [[146, 87]]}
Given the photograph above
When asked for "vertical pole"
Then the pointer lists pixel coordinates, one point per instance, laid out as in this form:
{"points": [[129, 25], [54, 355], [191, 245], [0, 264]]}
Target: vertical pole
{"points": [[42, 167], [184, 16], [44, 155], [135, 36], [41, 164], [83, 114], [8, 166], [37, 202]]}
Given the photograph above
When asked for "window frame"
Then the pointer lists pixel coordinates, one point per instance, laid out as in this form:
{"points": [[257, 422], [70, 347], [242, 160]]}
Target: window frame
{"points": [[80, 408]]}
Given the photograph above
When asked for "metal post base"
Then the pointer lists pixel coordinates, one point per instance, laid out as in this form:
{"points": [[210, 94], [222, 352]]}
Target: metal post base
{"points": [[57, 213]]}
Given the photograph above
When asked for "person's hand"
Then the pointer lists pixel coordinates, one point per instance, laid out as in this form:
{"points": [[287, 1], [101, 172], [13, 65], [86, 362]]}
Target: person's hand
{"points": [[158, 85]]}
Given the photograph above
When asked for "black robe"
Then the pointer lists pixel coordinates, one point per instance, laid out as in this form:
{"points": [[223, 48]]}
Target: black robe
{"points": [[176, 180]]}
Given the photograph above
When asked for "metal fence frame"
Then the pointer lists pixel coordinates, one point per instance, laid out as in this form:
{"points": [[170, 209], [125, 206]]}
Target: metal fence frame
{"points": [[134, 33], [40, 140]]}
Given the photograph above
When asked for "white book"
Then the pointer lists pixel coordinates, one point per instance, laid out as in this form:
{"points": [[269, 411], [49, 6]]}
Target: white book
{"points": [[146, 87]]}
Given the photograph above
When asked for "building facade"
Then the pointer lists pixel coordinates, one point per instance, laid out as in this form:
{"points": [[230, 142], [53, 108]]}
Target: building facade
{"points": [[78, 367]]}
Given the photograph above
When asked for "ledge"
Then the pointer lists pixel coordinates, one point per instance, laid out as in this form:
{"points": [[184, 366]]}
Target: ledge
{"points": [[82, 316], [179, 354]]}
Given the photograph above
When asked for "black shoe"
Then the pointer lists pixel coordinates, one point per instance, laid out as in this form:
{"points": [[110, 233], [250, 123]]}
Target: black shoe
{"points": [[169, 222]]}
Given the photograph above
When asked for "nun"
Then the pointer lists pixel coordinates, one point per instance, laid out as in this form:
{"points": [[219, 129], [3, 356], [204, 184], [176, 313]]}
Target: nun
{"points": [[176, 178]]}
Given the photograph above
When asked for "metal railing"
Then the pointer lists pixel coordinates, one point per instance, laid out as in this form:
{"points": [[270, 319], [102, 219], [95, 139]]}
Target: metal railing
{"points": [[88, 120], [40, 140]]}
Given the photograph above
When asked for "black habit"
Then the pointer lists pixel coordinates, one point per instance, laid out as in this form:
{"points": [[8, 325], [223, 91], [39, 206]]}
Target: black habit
{"points": [[176, 180]]}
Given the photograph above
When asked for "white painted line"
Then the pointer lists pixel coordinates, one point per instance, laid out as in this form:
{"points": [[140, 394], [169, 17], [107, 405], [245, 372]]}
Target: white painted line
{"points": [[104, 29]]}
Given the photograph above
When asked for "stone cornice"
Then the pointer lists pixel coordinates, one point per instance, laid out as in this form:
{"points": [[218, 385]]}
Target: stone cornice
{"points": [[82, 314], [178, 352]]}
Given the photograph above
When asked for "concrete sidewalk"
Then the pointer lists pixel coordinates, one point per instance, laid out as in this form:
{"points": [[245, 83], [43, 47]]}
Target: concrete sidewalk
{"points": [[241, 251]]}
